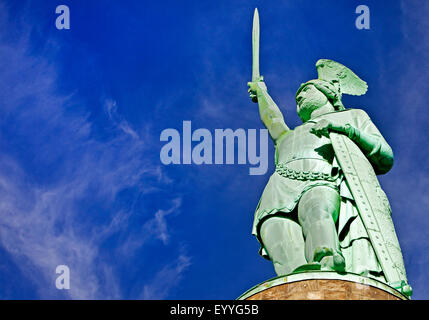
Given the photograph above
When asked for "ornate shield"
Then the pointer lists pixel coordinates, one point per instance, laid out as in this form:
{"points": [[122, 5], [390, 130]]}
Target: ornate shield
{"points": [[373, 207]]}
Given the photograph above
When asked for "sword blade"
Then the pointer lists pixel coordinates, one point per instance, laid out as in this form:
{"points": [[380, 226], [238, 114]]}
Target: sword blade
{"points": [[255, 46]]}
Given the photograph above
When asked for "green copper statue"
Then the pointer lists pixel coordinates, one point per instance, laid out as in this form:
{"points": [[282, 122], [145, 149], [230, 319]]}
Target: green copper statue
{"points": [[323, 207]]}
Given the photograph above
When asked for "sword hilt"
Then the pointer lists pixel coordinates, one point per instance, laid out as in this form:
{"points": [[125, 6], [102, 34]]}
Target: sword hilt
{"points": [[253, 88]]}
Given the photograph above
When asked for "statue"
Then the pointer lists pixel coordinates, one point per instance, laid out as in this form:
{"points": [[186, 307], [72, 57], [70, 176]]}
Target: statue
{"points": [[323, 207]]}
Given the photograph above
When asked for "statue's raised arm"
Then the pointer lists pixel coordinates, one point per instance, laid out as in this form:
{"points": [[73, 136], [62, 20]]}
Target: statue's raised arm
{"points": [[270, 114]]}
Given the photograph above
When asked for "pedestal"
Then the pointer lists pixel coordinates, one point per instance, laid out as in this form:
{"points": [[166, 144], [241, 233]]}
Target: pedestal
{"points": [[322, 286]]}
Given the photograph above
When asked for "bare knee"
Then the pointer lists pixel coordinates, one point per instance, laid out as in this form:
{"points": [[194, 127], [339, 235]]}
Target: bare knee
{"points": [[319, 204], [283, 240]]}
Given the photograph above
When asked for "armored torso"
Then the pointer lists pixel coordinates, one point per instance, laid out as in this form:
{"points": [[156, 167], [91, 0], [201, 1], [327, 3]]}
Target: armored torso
{"points": [[302, 151]]}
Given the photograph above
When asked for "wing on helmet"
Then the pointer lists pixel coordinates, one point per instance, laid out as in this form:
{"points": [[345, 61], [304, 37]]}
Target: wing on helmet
{"points": [[335, 72]]}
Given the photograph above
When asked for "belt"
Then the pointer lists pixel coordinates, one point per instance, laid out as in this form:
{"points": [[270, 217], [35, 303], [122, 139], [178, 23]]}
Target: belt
{"points": [[286, 172]]}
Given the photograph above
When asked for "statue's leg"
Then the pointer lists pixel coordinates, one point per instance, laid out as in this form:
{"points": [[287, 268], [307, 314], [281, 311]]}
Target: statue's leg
{"points": [[283, 240], [318, 211]]}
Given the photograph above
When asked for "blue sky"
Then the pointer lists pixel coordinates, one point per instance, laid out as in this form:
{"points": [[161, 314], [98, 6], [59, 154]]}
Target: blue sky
{"points": [[81, 112]]}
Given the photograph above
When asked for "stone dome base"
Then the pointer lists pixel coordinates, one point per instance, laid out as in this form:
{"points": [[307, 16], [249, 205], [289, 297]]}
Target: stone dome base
{"points": [[322, 285]]}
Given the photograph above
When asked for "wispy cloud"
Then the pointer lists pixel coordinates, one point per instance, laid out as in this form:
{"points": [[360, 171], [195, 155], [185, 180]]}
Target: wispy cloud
{"points": [[166, 279], [158, 225], [111, 107]]}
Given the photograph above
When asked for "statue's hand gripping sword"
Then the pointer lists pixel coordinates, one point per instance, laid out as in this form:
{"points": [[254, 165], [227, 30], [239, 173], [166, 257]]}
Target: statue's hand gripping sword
{"points": [[256, 77]]}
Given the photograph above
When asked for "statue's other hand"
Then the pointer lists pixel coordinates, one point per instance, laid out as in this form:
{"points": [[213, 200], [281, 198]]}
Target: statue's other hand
{"points": [[322, 128], [254, 88]]}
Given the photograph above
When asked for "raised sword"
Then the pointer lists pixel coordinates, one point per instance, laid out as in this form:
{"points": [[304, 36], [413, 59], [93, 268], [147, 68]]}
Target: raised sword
{"points": [[255, 51]]}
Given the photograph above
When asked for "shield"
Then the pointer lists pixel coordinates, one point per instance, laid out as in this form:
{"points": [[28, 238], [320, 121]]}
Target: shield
{"points": [[373, 207]]}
